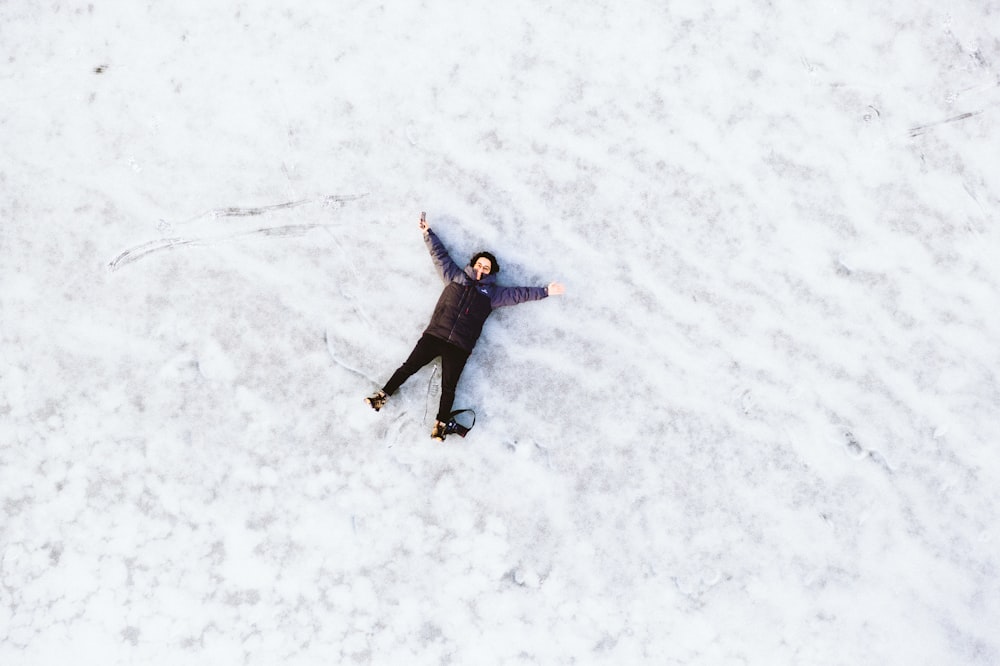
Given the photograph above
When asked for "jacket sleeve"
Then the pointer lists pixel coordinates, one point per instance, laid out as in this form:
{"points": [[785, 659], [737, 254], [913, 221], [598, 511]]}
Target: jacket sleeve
{"points": [[514, 295], [446, 266]]}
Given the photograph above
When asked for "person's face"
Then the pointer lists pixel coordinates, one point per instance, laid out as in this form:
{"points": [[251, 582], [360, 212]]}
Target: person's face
{"points": [[483, 266]]}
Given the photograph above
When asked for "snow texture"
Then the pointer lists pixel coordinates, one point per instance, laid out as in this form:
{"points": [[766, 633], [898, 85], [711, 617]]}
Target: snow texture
{"points": [[761, 427]]}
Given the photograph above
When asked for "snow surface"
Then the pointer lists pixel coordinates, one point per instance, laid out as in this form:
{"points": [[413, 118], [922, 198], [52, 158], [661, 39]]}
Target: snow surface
{"points": [[760, 428]]}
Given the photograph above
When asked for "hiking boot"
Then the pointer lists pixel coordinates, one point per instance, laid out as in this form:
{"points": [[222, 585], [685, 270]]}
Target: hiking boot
{"points": [[376, 400], [440, 431]]}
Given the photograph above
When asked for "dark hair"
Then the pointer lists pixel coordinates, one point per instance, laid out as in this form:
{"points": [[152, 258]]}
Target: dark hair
{"points": [[495, 265]]}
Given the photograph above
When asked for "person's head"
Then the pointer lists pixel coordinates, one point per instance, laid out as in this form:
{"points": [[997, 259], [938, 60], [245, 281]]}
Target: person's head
{"points": [[484, 263]]}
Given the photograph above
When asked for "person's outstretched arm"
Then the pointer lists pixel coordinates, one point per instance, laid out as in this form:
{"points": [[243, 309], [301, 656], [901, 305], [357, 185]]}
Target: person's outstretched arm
{"points": [[504, 296], [446, 266]]}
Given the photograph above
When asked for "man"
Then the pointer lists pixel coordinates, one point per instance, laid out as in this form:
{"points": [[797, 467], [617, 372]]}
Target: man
{"points": [[470, 295]]}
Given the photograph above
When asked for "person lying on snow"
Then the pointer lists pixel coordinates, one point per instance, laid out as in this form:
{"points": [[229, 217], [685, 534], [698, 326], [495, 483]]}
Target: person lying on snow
{"points": [[470, 295]]}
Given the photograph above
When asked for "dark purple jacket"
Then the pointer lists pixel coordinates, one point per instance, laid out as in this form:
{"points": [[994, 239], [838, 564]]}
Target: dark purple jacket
{"points": [[465, 302]]}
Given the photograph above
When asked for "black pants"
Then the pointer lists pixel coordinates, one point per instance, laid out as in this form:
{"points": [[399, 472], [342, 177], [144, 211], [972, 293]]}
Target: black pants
{"points": [[452, 363]]}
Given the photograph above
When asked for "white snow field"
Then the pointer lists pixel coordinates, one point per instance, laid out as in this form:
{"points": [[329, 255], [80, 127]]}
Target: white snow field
{"points": [[761, 427]]}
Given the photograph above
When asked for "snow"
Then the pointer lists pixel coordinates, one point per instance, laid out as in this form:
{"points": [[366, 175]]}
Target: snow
{"points": [[759, 428]]}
